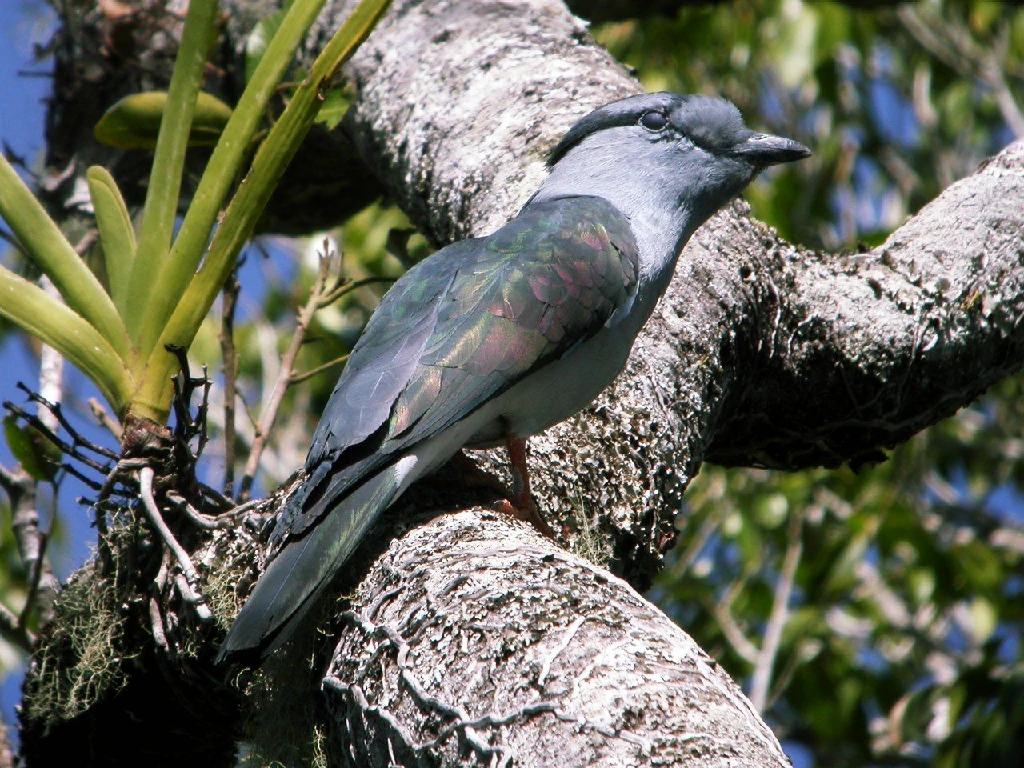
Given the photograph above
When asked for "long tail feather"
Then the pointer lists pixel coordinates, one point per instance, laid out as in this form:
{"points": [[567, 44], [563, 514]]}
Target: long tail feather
{"points": [[305, 567]]}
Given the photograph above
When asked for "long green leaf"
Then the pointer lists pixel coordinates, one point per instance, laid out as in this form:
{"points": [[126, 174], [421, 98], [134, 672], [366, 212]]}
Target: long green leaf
{"points": [[33, 310], [116, 233], [223, 169], [161, 206], [249, 201], [51, 251]]}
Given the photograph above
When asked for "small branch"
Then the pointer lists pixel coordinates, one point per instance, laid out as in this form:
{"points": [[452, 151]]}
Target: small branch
{"points": [[695, 545], [341, 288], [68, 449], [227, 347], [14, 631], [269, 415], [952, 44], [188, 587], [104, 419], [58, 413], [760, 684], [42, 586], [300, 377], [89, 239], [36, 569], [51, 372]]}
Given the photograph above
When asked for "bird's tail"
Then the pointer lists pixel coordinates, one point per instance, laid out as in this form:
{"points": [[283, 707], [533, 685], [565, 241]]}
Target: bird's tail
{"points": [[301, 571]]}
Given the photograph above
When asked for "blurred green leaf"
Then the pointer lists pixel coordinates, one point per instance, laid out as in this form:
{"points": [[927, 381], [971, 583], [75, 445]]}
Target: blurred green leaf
{"points": [[39, 457], [134, 121], [335, 104]]}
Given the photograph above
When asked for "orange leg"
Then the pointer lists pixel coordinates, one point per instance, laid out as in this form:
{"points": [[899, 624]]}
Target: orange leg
{"points": [[518, 501], [522, 506]]}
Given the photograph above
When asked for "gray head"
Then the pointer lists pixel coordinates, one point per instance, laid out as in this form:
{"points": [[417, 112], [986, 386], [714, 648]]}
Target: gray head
{"points": [[663, 155]]}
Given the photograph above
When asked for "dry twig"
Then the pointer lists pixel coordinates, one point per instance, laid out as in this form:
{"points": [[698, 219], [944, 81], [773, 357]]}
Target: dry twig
{"points": [[273, 404], [227, 347], [760, 683]]}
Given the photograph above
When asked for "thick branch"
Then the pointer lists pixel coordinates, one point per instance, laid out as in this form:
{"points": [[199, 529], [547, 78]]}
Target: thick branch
{"points": [[850, 353], [592, 659]]}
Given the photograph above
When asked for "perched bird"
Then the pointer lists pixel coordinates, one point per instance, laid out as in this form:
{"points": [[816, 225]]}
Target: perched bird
{"points": [[497, 338]]}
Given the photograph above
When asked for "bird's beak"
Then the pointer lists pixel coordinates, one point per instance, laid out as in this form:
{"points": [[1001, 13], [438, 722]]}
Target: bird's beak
{"points": [[764, 149]]}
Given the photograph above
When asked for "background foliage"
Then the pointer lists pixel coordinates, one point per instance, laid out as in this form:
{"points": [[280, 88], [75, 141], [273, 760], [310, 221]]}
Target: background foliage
{"points": [[876, 616]]}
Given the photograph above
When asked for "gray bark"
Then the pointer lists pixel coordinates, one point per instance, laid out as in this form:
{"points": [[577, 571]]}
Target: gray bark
{"points": [[473, 639]]}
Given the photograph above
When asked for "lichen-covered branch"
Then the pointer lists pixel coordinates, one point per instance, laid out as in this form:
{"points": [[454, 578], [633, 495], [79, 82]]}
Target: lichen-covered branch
{"points": [[600, 677]]}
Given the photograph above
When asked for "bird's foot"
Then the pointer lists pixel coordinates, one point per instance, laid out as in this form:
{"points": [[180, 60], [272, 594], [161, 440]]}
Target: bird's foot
{"points": [[525, 509], [516, 503]]}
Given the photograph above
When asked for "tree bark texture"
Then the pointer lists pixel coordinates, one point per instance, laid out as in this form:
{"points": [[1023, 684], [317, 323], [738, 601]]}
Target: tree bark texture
{"points": [[472, 639]]}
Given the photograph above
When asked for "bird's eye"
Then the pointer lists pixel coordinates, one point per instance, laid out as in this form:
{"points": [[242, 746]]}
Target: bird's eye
{"points": [[653, 121]]}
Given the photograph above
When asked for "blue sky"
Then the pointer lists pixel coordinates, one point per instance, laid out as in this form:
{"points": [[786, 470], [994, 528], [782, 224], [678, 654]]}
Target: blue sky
{"points": [[21, 129]]}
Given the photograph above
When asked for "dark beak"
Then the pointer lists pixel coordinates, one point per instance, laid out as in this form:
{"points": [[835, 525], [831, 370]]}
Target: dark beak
{"points": [[764, 149]]}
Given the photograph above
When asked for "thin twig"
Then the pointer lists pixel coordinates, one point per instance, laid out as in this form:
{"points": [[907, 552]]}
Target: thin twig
{"points": [[300, 377], [269, 415], [951, 43], [760, 683], [21, 493], [343, 288], [89, 239], [14, 630], [68, 449], [227, 348], [36, 569], [58, 412], [51, 371]]}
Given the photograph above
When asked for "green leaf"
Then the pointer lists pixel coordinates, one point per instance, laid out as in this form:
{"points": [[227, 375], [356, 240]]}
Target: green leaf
{"points": [[38, 456], [116, 233], [157, 226], [33, 310], [50, 250], [247, 205], [134, 121], [177, 270], [335, 105]]}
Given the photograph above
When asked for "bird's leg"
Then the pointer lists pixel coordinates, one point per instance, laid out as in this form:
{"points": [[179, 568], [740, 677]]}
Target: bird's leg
{"points": [[522, 506], [518, 501]]}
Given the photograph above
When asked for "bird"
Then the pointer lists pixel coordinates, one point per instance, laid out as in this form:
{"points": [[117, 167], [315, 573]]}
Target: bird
{"points": [[493, 339]]}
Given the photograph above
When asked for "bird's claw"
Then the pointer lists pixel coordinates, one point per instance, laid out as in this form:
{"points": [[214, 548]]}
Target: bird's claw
{"points": [[525, 509]]}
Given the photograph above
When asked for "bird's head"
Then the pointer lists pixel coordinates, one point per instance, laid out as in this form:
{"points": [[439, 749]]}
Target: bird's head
{"points": [[664, 154]]}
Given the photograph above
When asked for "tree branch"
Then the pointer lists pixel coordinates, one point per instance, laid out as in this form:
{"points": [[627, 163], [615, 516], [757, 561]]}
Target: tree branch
{"points": [[594, 658]]}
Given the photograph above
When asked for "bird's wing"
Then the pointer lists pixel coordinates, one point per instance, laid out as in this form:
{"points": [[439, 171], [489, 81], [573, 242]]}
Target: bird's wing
{"points": [[459, 329], [543, 284]]}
